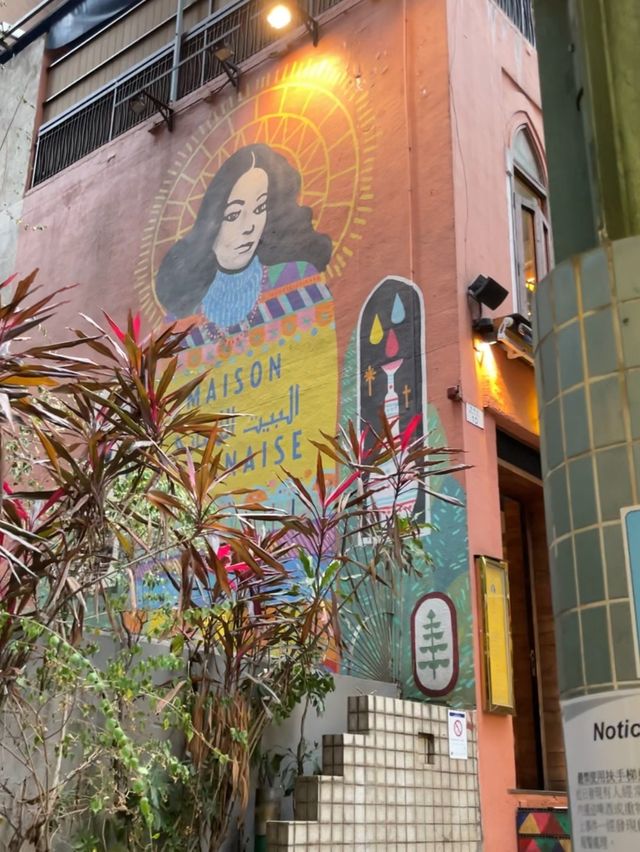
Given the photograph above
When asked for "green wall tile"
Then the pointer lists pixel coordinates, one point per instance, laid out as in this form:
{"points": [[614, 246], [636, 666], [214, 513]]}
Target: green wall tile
{"points": [[563, 581], [626, 265], [632, 378], [554, 450], [614, 482], [569, 652], [630, 325], [597, 664], [601, 349], [539, 389], [589, 565], [616, 569], [569, 355], [606, 411], [576, 426], [543, 312], [549, 365], [623, 643], [582, 490], [559, 503], [636, 464], [595, 279], [564, 292], [548, 511]]}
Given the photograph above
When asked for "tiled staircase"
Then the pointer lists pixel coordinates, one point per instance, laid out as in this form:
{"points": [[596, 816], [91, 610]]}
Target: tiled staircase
{"points": [[388, 784]]}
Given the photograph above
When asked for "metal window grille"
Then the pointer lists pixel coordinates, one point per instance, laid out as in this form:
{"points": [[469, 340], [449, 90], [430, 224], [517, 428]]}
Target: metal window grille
{"points": [[521, 13], [106, 114]]}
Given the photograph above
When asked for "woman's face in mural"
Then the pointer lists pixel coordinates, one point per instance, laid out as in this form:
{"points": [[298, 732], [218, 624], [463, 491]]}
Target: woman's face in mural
{"points": [[243, 221]]}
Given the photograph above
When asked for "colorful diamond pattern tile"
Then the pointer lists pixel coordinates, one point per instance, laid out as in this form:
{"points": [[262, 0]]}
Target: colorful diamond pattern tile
{"points": [[543, 830], [544, 844]]}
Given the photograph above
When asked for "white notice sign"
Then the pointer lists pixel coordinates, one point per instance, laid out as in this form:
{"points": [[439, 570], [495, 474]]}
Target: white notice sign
{"points": [[602, 740], [474, 415], [458, 735]]}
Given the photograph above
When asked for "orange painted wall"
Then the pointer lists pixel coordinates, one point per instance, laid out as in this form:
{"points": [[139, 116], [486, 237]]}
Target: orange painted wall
{"points": [[494, 90]]}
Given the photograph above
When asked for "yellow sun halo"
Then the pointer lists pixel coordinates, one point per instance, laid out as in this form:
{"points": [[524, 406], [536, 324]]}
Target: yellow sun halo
{"points": [[313, 115]]}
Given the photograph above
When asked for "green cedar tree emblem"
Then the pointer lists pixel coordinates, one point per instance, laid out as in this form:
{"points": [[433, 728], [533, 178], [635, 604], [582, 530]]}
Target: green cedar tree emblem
{"points": [[432, 637]]}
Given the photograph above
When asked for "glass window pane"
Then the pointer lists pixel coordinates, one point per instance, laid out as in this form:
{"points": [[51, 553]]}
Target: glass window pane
{"points": [[526, 191], [525, 156], [529, 262]]}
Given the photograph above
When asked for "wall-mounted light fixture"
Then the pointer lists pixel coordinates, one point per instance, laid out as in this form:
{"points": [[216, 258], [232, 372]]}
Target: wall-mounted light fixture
{"points": [[224, 53], [138, 104], [280, 16], [488, 292], [485, 330]]}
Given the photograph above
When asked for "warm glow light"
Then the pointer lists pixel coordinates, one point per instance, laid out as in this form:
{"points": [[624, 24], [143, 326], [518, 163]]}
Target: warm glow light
{"points": [[486, 361], [279, 16]]}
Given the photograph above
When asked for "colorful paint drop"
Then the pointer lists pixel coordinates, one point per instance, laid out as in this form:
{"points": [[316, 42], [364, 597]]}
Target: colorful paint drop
{"points": [[398, 312], [393, 374], [391, 347], [377, 332]]}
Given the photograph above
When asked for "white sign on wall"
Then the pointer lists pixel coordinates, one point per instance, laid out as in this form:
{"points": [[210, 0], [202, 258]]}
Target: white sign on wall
{"points": [[474, 415], [458, 735], [602, 741]]}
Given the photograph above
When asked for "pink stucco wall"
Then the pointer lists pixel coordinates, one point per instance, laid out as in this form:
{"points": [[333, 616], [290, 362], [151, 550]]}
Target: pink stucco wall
{"points": [[494, 90]]}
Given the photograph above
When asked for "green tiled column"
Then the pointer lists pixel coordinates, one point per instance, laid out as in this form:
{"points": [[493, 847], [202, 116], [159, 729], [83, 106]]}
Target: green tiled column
{"points": [[587, 329], [588, 373]]}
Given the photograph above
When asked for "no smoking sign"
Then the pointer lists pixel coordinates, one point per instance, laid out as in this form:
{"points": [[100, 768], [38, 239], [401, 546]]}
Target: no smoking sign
{"points": [[458, 735]]}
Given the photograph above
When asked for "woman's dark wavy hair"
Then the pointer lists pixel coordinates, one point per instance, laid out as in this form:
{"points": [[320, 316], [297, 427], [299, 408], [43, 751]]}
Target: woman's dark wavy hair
{"points": [[190, 265]]}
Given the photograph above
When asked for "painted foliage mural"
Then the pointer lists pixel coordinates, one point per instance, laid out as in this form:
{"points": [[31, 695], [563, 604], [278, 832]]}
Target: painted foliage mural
{"points": [[391, 632], [251, 238]]}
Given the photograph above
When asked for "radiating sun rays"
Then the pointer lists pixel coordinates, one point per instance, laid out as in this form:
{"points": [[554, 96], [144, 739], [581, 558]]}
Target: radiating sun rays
{"points": [[311, 113]]}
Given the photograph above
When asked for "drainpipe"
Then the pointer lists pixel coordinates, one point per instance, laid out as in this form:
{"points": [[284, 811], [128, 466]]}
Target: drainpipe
{"points": [[177, 44]]}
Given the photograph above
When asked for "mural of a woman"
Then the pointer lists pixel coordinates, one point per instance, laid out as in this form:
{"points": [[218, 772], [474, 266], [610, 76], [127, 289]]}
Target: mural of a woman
{"points": [[249, 274], [249, 221]]}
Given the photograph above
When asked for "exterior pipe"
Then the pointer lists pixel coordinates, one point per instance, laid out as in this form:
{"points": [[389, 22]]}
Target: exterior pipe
{"points": [[177, 45]]}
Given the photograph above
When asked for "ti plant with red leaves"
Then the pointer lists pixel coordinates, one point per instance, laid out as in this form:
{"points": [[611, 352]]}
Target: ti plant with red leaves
{"points": [[274, 592], [103, 422], [128, 531]]}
